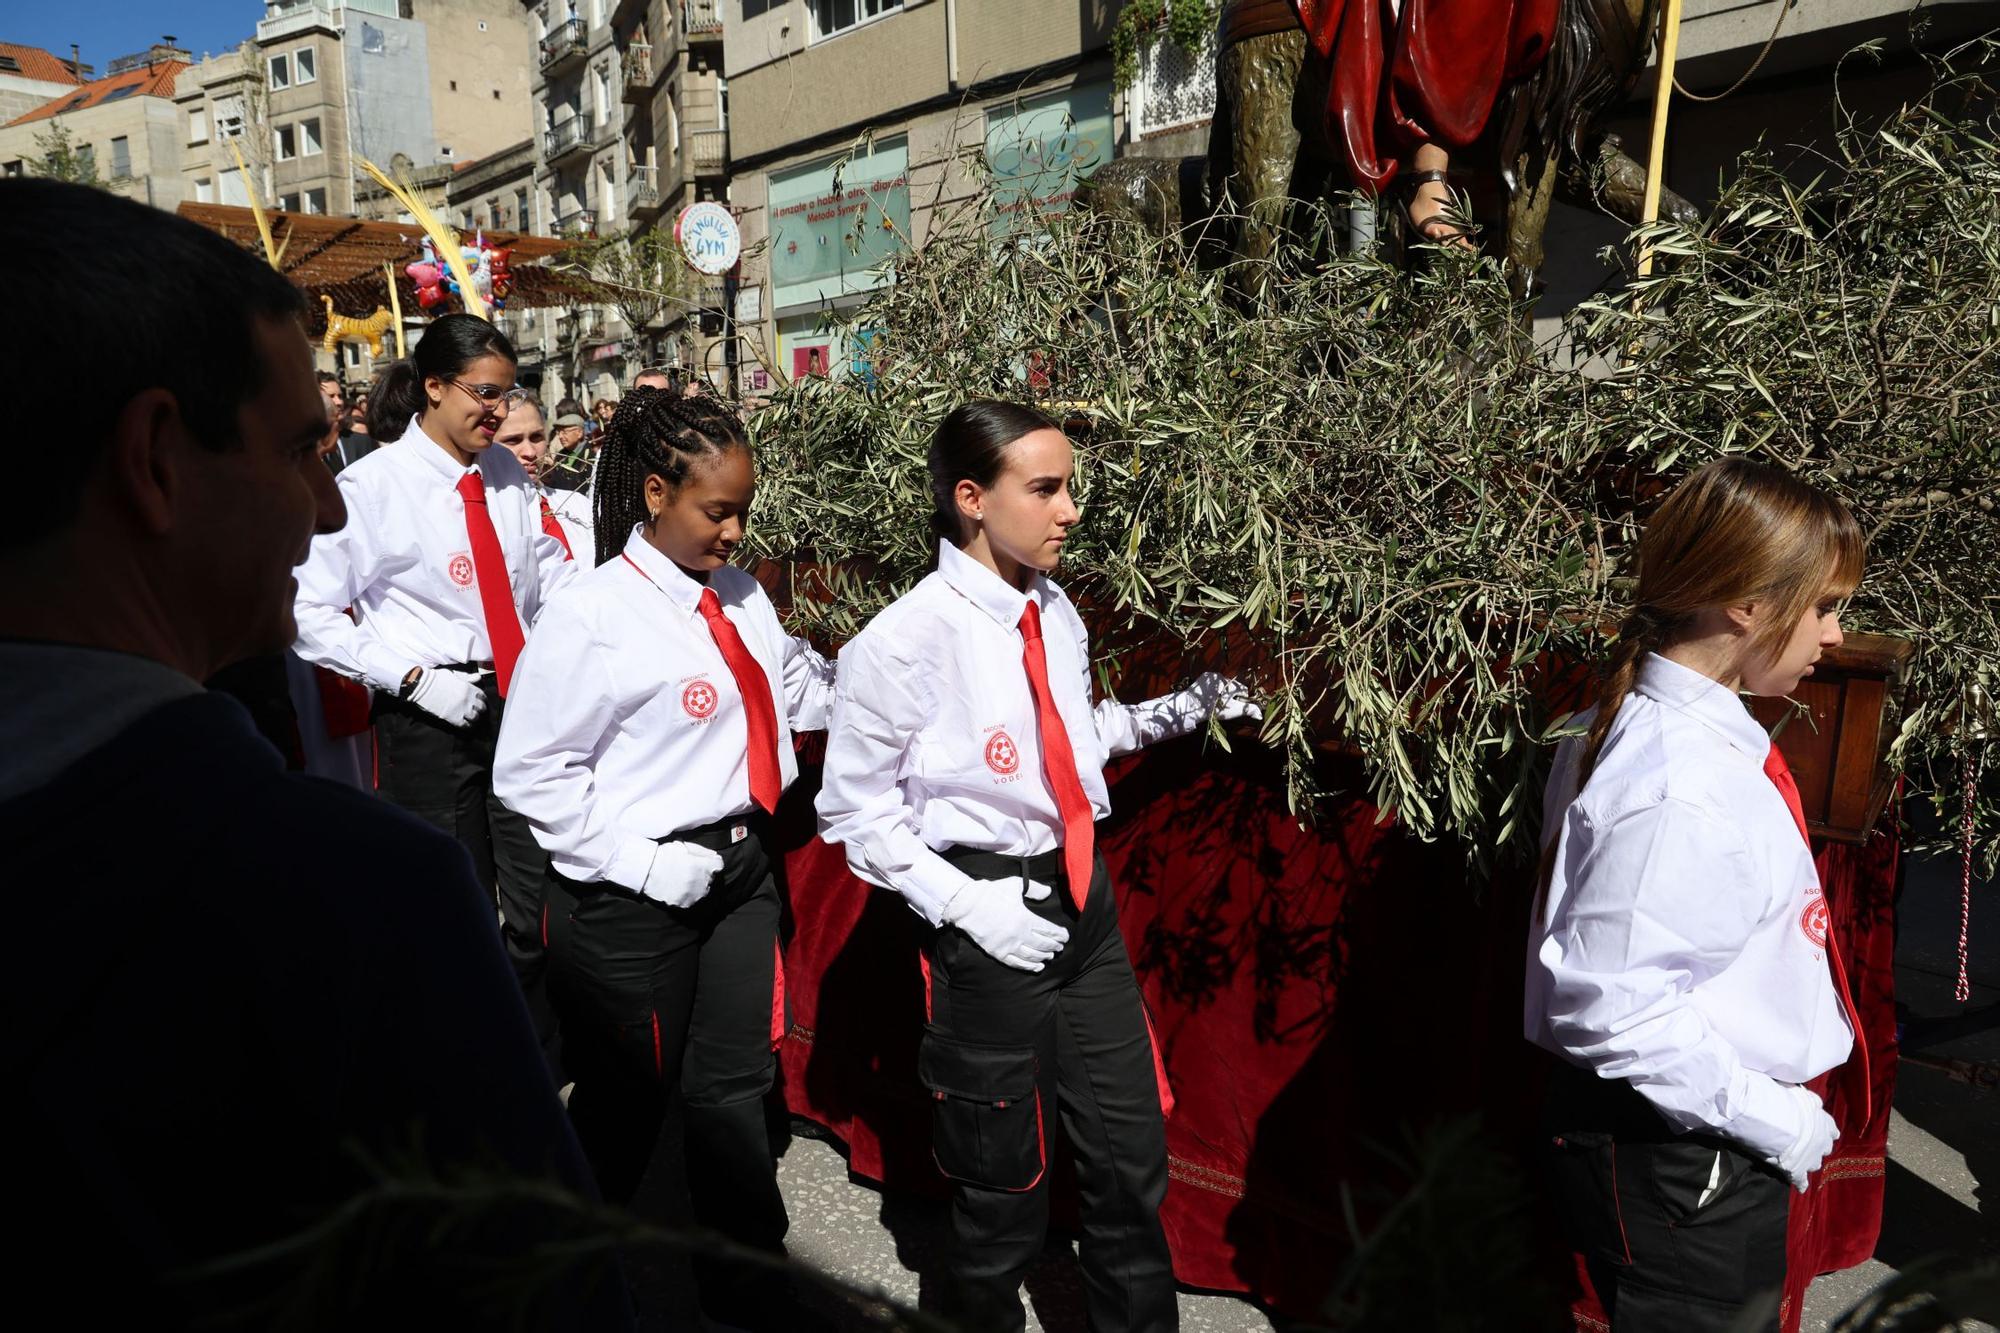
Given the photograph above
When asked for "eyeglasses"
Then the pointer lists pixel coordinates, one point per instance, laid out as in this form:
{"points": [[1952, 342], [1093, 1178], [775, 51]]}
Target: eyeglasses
{"points": [[489, 395]]}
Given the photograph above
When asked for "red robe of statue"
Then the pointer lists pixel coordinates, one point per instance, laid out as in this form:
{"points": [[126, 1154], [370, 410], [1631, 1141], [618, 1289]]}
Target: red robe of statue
{"points": [[1430, 73]]}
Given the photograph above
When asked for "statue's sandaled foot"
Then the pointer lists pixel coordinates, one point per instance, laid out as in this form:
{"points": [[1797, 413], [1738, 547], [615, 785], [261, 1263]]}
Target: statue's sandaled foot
{"points": [[1428, 206]]}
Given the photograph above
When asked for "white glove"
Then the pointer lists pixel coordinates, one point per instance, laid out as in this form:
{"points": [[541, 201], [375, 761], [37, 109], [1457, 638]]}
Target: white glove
{"points": [[1225, 697], [681, 874], [997, 919], [1813, 1143], [452, 697]]}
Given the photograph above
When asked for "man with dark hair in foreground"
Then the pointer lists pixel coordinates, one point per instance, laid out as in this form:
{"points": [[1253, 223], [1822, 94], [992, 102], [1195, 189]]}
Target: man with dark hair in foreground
{"points": [[235, 991]]}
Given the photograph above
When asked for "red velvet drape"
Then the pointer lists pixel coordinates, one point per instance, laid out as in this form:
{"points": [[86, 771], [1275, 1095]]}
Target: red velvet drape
{"points": [[1315, 989]]}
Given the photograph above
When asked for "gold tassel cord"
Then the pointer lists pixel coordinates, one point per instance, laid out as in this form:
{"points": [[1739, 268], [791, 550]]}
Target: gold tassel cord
{"points": [[443, 239]]}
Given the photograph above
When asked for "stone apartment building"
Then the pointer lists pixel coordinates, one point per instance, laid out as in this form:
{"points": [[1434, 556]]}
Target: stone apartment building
{"points": [[630, 116], [855, 123], [676, 150], [30, 76], [577, 114], [411, 83], [124, 123]]}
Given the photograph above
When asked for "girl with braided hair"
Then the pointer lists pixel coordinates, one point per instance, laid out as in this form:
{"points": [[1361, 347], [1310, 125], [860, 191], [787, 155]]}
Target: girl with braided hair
{"points": [[647, 743], [1682, 964]]}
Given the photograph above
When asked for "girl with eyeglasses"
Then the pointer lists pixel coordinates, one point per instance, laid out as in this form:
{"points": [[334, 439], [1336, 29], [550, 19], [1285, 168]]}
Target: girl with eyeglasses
{"points": [[426, 597]]}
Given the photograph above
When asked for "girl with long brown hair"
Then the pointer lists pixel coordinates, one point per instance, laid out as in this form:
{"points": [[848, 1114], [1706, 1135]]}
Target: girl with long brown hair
{"points": [[1681, 962]]}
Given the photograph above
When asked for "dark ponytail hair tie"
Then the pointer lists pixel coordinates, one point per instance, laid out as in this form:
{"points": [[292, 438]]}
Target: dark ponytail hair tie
{"points": [[1643, 622]]}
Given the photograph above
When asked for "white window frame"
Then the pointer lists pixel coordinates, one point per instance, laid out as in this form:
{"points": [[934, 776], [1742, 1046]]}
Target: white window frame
{"points": [[314, 201], [204, 190], [310, 133], [865, 12], [197, 124], [278, 72], [125, 142], [305, 66], [229, 118], [284, 143]]}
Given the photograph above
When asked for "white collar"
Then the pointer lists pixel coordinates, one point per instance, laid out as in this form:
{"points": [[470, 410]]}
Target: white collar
{"points": [[1704, 699], [664, 574], [987, 590], [427, 450]]}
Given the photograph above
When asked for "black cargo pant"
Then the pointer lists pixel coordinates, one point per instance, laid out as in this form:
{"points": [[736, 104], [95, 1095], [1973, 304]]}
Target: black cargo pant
{"points": [[1005, 1053], [444, 774], [658, 1002], [1682, 1233]]}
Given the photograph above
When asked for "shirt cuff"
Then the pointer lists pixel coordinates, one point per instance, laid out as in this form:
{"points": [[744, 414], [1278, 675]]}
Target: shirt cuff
{"points": [[631, 863], [930, 889], [382, 670], [1772, 1119]]}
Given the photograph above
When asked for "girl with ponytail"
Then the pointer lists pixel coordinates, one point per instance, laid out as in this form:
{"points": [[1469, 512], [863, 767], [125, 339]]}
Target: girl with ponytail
{"points": [[965, 772], [1682, 965], [647, 743]]}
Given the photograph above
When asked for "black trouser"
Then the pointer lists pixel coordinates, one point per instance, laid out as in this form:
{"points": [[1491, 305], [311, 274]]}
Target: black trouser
{"points": [[1005, 1050], [1683, 1233], [444, 774], [658, 1001]]}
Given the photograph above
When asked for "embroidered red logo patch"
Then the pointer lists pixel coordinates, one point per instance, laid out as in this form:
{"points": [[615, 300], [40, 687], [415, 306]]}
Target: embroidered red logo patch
{"points": [[460, 570], [699, 699], [1813, 921], [1002, 755]]}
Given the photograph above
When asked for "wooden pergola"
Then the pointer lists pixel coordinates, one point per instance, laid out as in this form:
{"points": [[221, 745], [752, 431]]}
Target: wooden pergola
{"points": [[342, 258]]}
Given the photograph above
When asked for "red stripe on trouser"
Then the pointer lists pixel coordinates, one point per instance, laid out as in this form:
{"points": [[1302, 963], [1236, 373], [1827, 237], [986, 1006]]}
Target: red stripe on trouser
{"points": [[924, 962], [545, 925], [1159, 1065], [659, 1065], [777, 995]]}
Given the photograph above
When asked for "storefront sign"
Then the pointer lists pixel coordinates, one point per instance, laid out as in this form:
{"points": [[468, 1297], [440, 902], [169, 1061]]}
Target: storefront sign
{"points": [[833, 222], [709, 237], [1038, 149]]}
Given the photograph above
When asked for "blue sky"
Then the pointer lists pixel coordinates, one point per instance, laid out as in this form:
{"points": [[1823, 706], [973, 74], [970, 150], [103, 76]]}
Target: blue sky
{"points": [[107, 29]]}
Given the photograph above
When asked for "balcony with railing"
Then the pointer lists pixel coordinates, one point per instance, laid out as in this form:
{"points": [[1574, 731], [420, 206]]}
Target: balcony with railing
{"points": [[701, 21], [708, 152], [563, 46], [291, 19], [578, 222], [642, 193], [578, 134], [638, 73]]}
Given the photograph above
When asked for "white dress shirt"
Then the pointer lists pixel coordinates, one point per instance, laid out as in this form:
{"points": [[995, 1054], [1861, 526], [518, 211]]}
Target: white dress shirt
{"points": [[1682, 947], [934, 742], [404, 563], [624, 723], [574, 517]]}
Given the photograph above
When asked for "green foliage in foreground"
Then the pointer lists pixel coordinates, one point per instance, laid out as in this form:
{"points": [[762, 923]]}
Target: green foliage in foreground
{"points": [[1399, 496]]}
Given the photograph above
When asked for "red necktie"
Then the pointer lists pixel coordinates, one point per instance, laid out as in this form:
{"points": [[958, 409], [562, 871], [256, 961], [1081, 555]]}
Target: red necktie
{"points": [[1059, 762], [554, 529], [1780, 773], [496, 595], [759, 717]]}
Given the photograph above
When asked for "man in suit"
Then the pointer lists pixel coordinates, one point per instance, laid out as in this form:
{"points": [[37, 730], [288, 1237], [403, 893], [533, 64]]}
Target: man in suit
{"points": [[242, 993]]}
